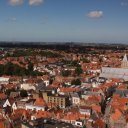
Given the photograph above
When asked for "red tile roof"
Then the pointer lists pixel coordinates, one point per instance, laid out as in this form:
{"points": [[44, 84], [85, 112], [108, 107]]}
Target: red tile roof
{"points": [[40, 102], [116, 115], [42, 114]]}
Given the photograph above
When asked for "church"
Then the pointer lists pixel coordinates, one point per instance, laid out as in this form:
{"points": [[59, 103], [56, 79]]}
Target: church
{"points": [[121, 73]]}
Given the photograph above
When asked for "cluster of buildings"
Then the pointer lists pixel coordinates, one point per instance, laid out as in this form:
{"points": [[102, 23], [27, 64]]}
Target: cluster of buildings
{"points": [[100, 100]]}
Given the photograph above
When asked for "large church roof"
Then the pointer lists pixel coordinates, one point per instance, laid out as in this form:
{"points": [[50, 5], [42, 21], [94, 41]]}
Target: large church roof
{"points": [[120, 73]]}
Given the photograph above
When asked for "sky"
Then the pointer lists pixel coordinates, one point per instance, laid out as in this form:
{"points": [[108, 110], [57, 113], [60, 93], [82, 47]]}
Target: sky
{"points": [[64, 20]]}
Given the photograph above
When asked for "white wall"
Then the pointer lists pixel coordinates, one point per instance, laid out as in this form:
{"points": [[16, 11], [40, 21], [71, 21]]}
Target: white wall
{"points": [[75, 100], [4, 80], [33, 107], [27, 86]]}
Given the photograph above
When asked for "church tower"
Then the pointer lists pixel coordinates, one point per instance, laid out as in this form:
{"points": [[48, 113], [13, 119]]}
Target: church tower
{"points": [[124, 63]]}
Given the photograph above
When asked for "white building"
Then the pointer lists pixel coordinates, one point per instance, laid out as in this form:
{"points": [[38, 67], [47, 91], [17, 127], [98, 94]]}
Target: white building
{"points": [[4, 80], [120, 73], [27, 86], [75, 99]]}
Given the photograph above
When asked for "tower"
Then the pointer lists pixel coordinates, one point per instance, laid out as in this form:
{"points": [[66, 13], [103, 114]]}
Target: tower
{"points": [[124, 63]]}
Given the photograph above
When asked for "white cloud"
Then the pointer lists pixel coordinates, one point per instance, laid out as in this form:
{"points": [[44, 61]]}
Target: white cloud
{"points": [[35, 2], [13, 19], [124, 3], [95, 14], [16, 2]]}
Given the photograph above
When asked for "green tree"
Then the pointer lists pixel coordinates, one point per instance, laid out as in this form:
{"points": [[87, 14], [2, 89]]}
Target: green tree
{"points": [[85, 60], [8, 69], [84, 126], [76, 82], [75, 63], [78, 71], [23, 93], [66, 73], [14, 69], [8, 91], [1, 69], [30, 66]]}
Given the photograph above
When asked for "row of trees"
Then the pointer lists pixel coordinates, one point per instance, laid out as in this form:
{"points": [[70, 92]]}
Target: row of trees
{"points": [[23, 93], [76, 82], [19, 53], [15, 70], [77, 72]]}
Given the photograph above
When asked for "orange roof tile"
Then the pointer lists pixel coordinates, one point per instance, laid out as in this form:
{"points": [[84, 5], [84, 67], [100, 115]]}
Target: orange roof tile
{"points": [[42, 114], [96, 108], [115, 116], [67, 90], [100, 123], [40, 102], [3, 96], [73, 116], [2, 125]]}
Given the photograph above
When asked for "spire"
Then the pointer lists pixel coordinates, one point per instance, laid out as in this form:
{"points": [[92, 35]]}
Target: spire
{"points": [[125, 58]]}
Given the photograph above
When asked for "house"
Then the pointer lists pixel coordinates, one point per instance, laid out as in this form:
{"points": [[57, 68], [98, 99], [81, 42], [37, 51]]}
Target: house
{"points": [[74, 118], [60, 100], [14, 106], [18, 116], [75, 98], [120, 73], [71, 118], [28, 86], [4, 123], [118, 120], [14, 95], [122, 93], [39, 104], [4, 80], [79, 123], [99, 123], [67, 90], [21, 104], [31, 84], [10, 103], [46, 80], [87, 94], [86, 110], [7, 103], [41, 114], [15, 80], [3, 96]]}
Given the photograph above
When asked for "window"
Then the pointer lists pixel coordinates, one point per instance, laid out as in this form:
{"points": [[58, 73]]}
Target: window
{"points": [[78, 123]]}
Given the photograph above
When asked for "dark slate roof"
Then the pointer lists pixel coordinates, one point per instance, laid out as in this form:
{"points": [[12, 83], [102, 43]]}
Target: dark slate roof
{"points": [[122, 93]]}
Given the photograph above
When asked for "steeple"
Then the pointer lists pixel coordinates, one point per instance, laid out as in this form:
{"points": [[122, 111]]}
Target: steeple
{"points": [[125, 58], [124, 63]]}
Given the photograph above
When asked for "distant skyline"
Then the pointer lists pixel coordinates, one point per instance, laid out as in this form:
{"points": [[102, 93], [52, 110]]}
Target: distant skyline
{"points": [[64, 20]]}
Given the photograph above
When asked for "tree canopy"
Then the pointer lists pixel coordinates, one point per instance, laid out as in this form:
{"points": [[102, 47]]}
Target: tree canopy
{"points": [[15, 70], [76, 82]]}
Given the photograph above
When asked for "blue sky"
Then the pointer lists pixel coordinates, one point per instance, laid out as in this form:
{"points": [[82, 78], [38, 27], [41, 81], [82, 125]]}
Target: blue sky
{"points": [[64, 20]]}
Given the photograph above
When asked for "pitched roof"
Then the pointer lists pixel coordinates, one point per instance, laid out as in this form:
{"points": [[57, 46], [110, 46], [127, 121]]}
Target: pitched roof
{"points": [[40, 102], [2, 125], [3, 96], [116, 115], [42, 114], [100, 123], [66, 90], [73, 116], [96, 108]]}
